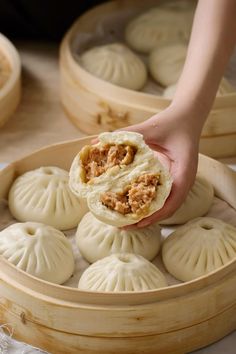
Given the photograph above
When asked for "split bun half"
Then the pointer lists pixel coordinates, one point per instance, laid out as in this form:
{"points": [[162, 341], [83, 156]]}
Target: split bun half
{"points": [[121, 178]]}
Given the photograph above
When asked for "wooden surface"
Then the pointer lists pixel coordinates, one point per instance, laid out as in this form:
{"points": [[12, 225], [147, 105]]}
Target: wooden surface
{"points": [[39, 119]]}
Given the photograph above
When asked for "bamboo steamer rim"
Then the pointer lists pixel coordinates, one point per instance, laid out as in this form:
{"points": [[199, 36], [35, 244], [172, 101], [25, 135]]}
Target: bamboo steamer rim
{"points": [[8, 49], [96, 84], [29, 283]]}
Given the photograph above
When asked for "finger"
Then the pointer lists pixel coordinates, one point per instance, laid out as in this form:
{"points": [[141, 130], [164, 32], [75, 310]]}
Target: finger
{"points": [[142, 128], [174, 200], [130, 227], [169, 208], [164, 159], [133, 128], [94, 141], [178, 194]]}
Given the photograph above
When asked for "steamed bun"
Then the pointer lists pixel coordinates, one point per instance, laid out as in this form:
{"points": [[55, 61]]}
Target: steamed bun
{"points": [[97, 240], [117, 64], [121, 178], [159, 26], [39, 250], [166, 63], [197, 203], [198, 248], [5, 69], [169, 91], [122, 272], [43, 195]]}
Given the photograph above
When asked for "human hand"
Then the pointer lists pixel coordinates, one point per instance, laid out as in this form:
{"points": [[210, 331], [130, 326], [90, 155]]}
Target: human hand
{"points": [[174, 135]]}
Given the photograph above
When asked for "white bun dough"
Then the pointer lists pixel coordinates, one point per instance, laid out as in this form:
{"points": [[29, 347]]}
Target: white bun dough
{"points": [[158, 26], [122, 272], [117, 64], [116, 178], [166, 63], [97, 240], [43, 195], [197, 203], [198, 248], [5, 69], [39, 250]]}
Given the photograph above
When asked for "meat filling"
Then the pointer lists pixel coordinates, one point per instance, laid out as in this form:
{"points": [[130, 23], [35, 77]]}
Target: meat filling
{"points": [[100, 159], [136, 198]]}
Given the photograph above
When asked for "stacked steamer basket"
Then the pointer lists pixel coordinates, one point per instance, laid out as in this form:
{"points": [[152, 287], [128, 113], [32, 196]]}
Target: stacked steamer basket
{"points": [[174, 319], [10, 88], [95, 105]]}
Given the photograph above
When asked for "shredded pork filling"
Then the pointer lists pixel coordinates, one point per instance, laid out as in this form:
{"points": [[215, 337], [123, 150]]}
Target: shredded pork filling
{"points": [[100, 159], [136, 198]]}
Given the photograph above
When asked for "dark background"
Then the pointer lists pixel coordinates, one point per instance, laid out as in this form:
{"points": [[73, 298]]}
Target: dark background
{"points": [[37, 19]]}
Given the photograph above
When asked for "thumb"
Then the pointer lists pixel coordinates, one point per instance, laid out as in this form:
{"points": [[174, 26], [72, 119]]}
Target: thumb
{"points": [[136, 128]]}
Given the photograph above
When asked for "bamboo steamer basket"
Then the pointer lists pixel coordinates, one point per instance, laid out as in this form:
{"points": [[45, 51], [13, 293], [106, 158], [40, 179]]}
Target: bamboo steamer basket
{"points": [[11, 91], [95, 105], [176, 319]]}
